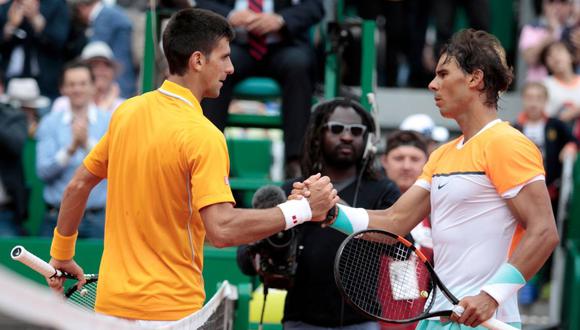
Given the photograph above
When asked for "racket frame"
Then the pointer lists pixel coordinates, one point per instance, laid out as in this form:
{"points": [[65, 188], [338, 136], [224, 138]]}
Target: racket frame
{"points": [[434, 280]]}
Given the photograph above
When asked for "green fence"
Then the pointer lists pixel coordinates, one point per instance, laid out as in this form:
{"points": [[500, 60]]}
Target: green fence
{"points": [[219, 265]]}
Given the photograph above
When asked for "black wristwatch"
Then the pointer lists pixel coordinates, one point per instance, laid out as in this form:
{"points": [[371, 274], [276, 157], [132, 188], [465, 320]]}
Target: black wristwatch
{"points": [[330, 216]]}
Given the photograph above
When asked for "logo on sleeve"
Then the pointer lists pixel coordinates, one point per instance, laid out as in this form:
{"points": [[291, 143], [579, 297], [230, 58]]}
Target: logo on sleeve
{"points": [[226, 180]]}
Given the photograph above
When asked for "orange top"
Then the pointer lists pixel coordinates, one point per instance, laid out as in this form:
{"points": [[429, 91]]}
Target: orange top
{"points": [[473, 229], [164, 162]]}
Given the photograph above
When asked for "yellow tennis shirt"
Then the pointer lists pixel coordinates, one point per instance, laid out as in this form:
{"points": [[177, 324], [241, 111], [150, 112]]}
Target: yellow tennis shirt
{"points": [[164, 161]]}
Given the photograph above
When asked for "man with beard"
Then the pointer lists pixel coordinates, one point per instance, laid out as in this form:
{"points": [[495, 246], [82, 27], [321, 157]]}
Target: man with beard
{"points": [[334, 145]]}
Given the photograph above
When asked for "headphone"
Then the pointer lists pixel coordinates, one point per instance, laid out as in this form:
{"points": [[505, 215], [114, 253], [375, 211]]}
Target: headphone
{"points": [[372, 138]]}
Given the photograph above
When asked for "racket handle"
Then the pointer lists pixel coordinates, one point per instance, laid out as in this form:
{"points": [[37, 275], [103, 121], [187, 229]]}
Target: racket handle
{"points": [[19, 253], [491, 324], [494, 324]]}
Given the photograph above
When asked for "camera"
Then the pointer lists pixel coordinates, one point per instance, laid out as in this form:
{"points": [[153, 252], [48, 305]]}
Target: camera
{"points": [[274, 258]]}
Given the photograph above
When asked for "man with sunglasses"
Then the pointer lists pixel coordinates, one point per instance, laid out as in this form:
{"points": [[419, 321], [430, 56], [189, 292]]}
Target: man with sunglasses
{"points": [[333, 146]]}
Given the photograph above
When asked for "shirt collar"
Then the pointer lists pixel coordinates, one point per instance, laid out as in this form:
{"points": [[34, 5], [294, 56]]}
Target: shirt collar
{"points": [[92, 115], [96, 11], [484, 128], [177, 91]]}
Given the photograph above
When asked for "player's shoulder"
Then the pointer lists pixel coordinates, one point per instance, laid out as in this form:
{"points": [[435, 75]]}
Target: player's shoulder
{"points": [[504, 134]]}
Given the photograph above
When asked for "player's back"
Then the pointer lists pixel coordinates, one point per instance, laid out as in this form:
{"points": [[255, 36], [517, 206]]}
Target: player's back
{"points": [[153, 256]]}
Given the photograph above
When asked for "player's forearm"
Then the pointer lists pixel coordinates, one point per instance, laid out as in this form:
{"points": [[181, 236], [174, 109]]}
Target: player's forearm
{"points": [[534, 249], [408, 211], [242, 226], [72, 207]]}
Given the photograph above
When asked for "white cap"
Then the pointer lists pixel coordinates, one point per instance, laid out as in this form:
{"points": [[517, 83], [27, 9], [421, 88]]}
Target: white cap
{"points": [[26, 93], [97, 49], [423, 124]]}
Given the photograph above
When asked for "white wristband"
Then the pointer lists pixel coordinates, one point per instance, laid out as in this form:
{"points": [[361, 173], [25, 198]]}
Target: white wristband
{"points": [[504, 283], [295, 212]]}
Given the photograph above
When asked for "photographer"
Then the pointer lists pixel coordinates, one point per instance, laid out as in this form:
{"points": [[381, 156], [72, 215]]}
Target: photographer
{"points": [[334, 146]]}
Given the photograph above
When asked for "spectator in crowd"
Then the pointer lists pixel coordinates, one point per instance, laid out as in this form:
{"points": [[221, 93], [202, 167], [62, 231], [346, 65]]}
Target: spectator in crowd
{"points": [[563, 85], [33, 36], [444, 11], [111, 25], [272, 40], [64, 138], [422, 123], [543, 31], [405, 155], [13, 192], [24, 94], [334, 146], [99, 57], [571, 35], [397, 15], [550, 134]]}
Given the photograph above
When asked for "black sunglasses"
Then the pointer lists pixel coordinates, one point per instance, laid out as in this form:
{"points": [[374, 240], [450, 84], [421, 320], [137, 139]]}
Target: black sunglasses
{"points": [[337, 128]]}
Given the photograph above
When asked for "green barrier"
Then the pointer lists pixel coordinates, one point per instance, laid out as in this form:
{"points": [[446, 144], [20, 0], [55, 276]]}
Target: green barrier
{"points": [[219, 265], [570, 298]]}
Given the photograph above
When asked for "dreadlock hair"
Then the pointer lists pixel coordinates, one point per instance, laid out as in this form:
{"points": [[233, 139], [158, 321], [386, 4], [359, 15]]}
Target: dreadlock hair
{"points": [[312, 148]]}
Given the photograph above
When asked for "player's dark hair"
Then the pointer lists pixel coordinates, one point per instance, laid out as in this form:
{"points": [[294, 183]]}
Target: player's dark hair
{"points": [[313, 139], [190, 30], [479, 50]]}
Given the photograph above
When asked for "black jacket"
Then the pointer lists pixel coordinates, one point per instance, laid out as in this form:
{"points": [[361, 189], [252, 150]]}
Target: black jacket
{"points": [[13, 135], [314, 298], [299, 18], [556, 136]]}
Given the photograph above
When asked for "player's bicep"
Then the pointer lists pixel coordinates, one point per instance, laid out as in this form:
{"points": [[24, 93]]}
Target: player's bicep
{"points": [[531, 206]]}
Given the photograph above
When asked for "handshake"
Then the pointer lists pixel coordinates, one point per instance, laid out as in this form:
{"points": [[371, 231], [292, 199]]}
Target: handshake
{"points": [[310, 200]]}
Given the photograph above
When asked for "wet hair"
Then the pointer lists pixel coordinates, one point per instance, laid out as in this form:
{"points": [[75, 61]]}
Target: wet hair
{"points": [[406, 138], [191, 30], [313, 139], [478, 50]]}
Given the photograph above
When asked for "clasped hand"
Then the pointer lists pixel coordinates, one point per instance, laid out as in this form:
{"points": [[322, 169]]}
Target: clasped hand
{"points": [[320, 193]]}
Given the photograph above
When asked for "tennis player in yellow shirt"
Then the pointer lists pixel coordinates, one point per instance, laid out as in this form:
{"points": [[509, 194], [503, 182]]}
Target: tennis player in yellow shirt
{"points": [[167, 168]]}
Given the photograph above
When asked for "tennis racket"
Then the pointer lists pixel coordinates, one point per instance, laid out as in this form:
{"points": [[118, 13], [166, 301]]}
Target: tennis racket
{"points": [[85, 297], [386, 278]]}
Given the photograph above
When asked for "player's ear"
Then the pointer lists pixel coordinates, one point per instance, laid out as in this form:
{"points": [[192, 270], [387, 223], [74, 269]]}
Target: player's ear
{"points": [[476, 79], [196, 61]]}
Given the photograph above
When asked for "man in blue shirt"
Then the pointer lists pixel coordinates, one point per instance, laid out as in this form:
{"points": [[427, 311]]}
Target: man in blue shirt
{"points": [[63, 140]]}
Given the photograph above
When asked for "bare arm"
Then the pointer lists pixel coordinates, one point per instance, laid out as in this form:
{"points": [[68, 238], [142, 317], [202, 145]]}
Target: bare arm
{"points": [[73, 205], [531, 207], [74, 200], [409, 210], [227, 226]]}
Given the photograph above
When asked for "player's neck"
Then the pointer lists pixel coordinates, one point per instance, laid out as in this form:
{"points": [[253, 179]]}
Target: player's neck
{"points": [[188, 82], [473, 120]]}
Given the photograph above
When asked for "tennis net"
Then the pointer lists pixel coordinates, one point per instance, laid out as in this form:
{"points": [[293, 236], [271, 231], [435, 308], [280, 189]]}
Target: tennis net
{"points": [[28, 305]]}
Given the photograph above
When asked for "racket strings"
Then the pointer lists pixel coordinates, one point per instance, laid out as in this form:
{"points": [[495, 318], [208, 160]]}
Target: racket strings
{"points": [[85, 297], [384, 278]]}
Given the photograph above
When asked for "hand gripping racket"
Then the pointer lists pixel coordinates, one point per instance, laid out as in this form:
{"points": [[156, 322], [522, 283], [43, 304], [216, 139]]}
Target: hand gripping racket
{"points": [[385, 277], [84, 297]]}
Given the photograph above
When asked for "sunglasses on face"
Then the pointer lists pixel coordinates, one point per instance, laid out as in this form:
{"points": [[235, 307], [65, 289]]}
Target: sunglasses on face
{"points": [[337, 128]]}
